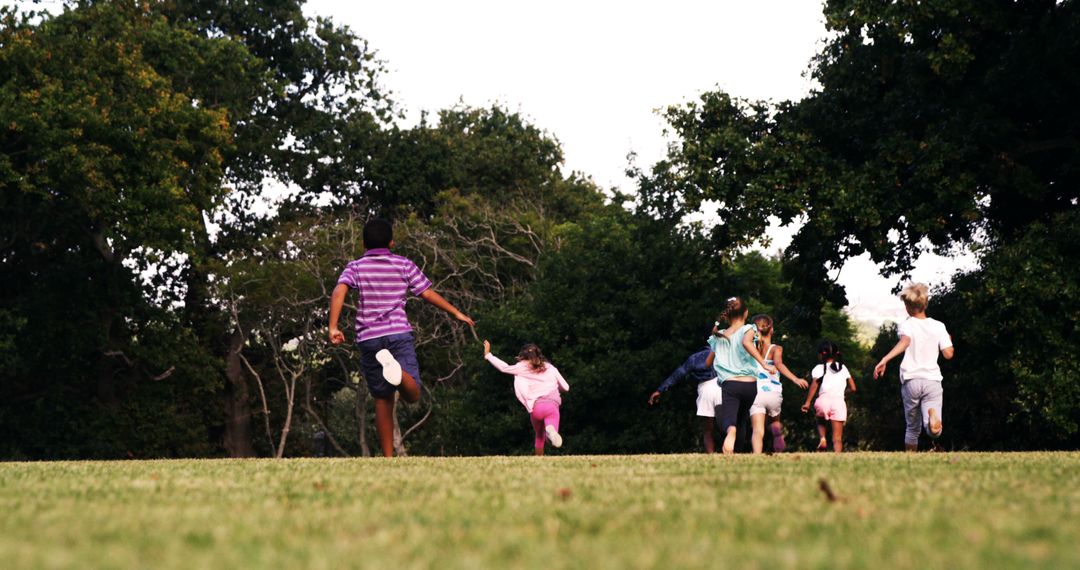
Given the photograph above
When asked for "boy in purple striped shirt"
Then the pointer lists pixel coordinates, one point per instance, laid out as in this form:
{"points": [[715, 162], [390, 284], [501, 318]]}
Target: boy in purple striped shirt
{"points": [[387, 353]]}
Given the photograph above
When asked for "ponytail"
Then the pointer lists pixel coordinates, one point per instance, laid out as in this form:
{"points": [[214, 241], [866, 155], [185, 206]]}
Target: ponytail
{"points": [[827, 350], [734, 307], [531, 353]]}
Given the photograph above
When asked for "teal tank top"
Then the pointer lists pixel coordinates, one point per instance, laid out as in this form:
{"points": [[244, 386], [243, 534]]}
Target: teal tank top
{"points": [[731, 358]]}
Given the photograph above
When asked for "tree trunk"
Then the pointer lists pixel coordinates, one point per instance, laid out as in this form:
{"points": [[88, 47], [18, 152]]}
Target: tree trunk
{"points": [[361, 414], [289, 400], [399, 444], [237, 405]]}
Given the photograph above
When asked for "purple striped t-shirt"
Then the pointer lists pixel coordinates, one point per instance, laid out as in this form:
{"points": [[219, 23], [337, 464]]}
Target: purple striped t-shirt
{"points": [[383, 279]]}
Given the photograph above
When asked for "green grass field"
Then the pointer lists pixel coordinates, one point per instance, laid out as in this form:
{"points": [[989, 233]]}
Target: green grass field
{"points": [[893, 510]]}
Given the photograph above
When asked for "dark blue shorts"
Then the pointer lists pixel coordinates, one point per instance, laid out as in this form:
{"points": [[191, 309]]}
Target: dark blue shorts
{"points": [[402, 347]]}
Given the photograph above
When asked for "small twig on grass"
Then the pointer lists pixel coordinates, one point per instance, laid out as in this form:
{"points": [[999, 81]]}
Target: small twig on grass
{"points": [[829, 495]]}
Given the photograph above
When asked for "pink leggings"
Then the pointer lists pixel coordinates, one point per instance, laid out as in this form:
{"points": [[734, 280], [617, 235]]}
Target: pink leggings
{"points": [[545, 413]]}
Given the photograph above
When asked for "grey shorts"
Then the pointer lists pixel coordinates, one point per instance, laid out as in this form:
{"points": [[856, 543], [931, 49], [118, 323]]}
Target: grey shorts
{"points": [[919, 396]]}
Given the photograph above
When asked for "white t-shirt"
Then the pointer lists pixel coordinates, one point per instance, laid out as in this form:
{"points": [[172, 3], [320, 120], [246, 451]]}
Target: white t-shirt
{"points": [[834, 382], [928, 337]]}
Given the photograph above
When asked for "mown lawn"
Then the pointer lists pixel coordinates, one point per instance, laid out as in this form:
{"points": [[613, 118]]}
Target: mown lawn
{"points": [[960, 510]]}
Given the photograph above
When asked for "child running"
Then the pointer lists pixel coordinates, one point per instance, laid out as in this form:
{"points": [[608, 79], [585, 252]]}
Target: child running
{"points": [[387, 353], [709, 394], [537, 384], [735, 359], [921, 338], [770, 393], [833, 377]]}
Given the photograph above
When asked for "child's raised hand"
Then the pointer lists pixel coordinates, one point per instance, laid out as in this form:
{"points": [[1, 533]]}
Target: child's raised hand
{"points": [[487, 348]]}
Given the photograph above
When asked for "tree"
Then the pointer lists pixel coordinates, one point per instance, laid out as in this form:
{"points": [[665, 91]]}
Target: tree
{"points": [[81, 95], [933, 123]]}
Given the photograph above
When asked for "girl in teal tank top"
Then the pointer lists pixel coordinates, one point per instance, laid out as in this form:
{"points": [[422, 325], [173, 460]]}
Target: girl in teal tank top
{"points": [[735, 359]]}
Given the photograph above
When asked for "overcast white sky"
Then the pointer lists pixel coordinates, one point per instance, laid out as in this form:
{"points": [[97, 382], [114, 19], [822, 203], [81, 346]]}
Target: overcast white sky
{"points": [[593, 74]]}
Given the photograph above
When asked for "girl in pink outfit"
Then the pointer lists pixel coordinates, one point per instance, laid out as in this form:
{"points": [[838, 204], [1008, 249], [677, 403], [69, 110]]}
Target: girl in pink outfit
{"points": [[537, 384], [833, 378]]}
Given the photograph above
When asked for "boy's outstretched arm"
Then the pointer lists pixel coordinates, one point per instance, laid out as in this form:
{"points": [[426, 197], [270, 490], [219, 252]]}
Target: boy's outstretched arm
{"points": [[337, 300], [897, 350], [681, 372], [436, 299], [778, 358]]}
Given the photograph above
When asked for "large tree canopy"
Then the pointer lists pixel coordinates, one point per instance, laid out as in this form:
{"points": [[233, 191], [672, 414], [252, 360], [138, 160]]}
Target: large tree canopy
{"points": [[933, 123]]}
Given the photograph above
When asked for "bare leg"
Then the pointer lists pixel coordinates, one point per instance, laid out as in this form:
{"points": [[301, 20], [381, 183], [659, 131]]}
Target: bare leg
{"points": [[384, 424], [778, 444], [757, 423], [707, 434], [822, 445], [729, 441], [837, 436], [409, 389]]}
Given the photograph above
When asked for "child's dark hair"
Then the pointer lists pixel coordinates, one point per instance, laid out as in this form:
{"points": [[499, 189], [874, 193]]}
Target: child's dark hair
{"points": [[531, 353], [378, 233], [828, 350], [734, 307]]}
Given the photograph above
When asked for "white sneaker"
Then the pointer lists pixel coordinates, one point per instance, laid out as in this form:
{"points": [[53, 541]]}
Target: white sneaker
{"points": [[553, 436], [391, 370]]}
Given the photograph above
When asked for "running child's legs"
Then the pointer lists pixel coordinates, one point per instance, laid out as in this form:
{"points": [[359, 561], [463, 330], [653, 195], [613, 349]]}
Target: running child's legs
{"points": [[922, 401], [545, 413], [930, 406], [757, 424], [402, 349], [837, 435], [778, 443], [766, 405], [384, 424], [710, 396], [831, 411], [538, 433], [707, 434], [738, 397]]}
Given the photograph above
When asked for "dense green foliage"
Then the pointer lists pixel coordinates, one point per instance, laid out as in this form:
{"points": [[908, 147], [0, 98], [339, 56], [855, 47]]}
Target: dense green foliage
{"points": [[963, 510]]}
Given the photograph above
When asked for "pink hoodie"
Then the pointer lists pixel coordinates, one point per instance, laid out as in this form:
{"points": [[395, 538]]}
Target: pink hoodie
{"points": [[530, 385]]}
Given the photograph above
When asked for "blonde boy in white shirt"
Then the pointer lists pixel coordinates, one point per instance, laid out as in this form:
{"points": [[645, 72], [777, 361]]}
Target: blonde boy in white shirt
{"points": [[921, 338]]}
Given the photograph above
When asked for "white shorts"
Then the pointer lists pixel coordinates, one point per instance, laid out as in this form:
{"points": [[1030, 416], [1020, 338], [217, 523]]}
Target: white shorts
{"points": [[767, 402], [708, 397]]}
